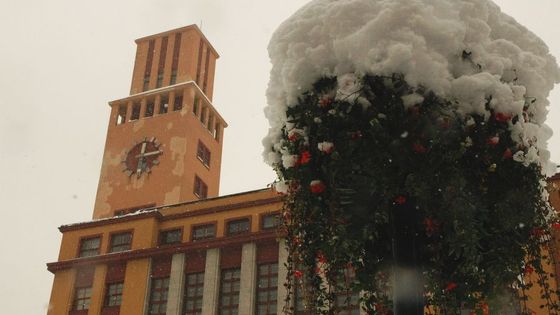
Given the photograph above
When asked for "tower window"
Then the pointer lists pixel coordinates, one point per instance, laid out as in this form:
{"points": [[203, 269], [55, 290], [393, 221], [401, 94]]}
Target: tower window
{"points": [[178, 104], [200, 188], [203, 154], [148, 70], [240, 226], [159, 81], [217, 131], [202, 232], [170, 237], [194, 289], [173, 77], [149, 109], [90, 246], [175, 61], [195, 105], [164, 105], [161, 64], [203, 114], [158, 296], [121, 115], [229, 291], [121, 242], [135, 111], [267, 289]]}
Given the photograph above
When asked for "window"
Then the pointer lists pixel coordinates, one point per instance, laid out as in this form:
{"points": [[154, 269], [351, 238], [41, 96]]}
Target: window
{"points": [[173, 77], [203, 114], [200, 188], [175, 61], [90, 246], [149, 109], [238, 226], [195, 105], [158, 296], [346, 300], [199, 64], [135, 111], [120, 242], [210, 123], [82, 298], [82, 290], [267, 289], [203, 154], [114, 283], [161, 64], [270, 221], [164, 105], [113, 294], [170, 237], [206, 70], [148, 69], [217, 132], [194, 288], [229, 292], [178, 105], [202, 232], [121, 115]]}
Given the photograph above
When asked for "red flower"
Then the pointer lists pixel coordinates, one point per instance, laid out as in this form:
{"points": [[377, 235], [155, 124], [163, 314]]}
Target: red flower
{"points": [[451, 286], [321, 258], [556, 226], [502, 117], [298, 274], [507, 154], [324, 102], [493, 141], [528, 270], [400, 200], [418, 148], [317, 186], [537, 232], [356, 135], [293, 137], [304, 158], [431, 226]]}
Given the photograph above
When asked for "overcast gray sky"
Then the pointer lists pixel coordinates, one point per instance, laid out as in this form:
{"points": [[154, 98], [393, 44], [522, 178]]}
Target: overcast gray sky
{"points": [[61, 61]]}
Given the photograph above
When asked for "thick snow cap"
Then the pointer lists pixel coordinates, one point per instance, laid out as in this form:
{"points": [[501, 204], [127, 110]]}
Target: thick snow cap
{"points": [[426, 41]]}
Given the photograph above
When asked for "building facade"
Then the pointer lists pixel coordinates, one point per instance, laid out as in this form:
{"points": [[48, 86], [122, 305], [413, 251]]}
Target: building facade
{"points": [[161, 239]]}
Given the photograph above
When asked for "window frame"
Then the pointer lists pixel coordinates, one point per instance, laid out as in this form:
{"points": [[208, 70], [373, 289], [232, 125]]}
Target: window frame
{"points": [[135, 110], [229, 221], [269, 276], [89, 237], [214, 224], [160, 238], [75, 299], [196, 297], [264, 216], [203, 154], [204, 188], [116, 233], [179, 96], [161, 291], [122, 111], [107, 297], [231, 293]]}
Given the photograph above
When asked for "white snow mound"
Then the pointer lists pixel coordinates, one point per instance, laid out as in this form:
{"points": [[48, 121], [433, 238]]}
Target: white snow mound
{"points": [[425, 40]]}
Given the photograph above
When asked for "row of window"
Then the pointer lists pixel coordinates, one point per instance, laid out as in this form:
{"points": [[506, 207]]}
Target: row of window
{"points": [[161, 63], [201, 112], [150, 108], [119, 242], [228, 301]]}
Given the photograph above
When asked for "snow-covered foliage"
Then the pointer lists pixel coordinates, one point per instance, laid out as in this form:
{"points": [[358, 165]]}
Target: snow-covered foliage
{"points": [[465, 51]]}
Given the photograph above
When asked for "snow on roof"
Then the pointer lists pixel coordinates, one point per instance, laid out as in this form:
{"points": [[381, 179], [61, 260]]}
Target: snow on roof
{"points": [[426, 40]]}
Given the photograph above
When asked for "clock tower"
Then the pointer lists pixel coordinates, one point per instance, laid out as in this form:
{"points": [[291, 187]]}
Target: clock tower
{"points": [[164, 140]]}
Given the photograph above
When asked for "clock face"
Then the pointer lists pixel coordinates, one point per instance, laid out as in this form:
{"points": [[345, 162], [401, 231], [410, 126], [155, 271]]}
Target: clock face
{"points": [[142, 157]]}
